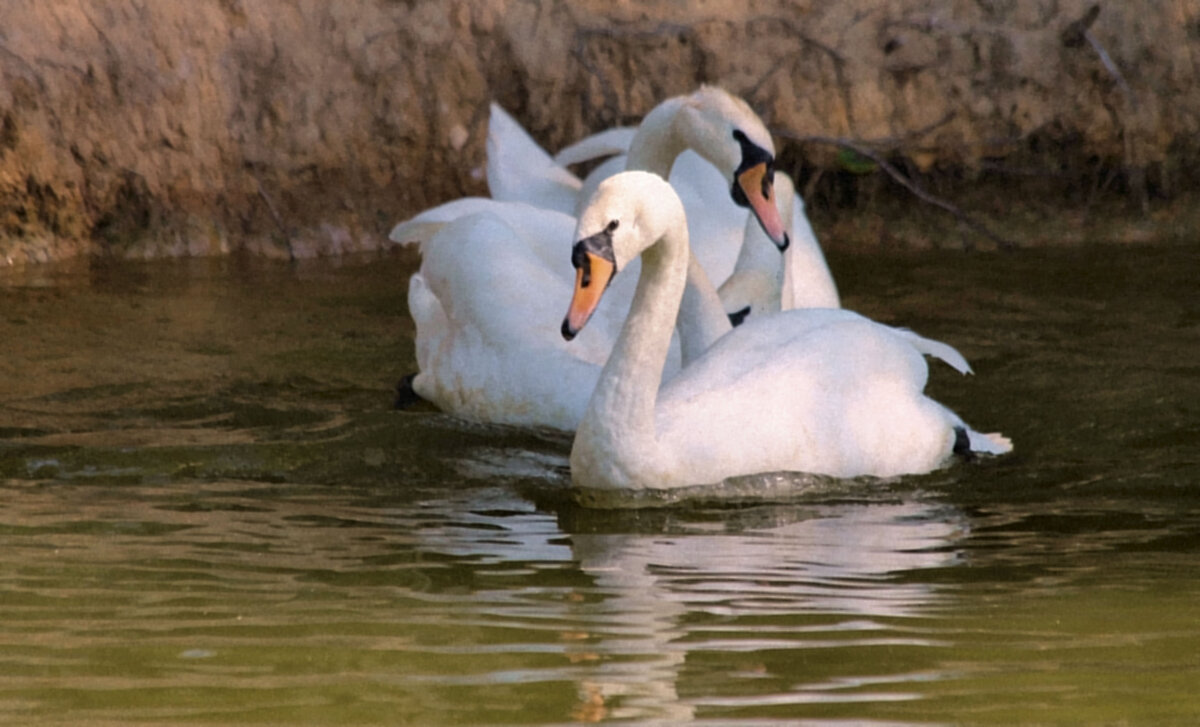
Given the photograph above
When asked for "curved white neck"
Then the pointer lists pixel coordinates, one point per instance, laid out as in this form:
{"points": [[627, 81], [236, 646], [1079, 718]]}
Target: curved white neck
{"points": [[657, 142], [702, 318], [618, 426], [758, 254]]}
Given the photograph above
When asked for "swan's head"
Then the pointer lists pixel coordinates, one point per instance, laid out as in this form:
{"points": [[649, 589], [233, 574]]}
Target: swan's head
{"points": [[725, 130], [628, 213]]}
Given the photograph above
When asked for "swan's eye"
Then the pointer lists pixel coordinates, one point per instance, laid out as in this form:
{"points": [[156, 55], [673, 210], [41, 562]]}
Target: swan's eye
{"points": [[598, 245], [612, 226], [579, 260]]}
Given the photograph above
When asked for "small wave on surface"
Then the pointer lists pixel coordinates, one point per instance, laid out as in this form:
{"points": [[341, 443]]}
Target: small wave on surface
{"points": [[769, 487]]}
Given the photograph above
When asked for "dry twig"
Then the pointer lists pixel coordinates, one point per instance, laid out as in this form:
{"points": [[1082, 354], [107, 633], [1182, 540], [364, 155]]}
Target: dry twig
{"points": [[905, 181], [287, 238]]}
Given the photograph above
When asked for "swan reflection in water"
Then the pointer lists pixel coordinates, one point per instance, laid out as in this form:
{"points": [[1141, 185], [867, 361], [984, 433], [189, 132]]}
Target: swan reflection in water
{"points": [[669, 582]]}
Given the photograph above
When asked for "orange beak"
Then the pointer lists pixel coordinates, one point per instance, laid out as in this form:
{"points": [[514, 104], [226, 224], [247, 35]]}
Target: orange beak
{"points": [[757, 189], [591, 280]]}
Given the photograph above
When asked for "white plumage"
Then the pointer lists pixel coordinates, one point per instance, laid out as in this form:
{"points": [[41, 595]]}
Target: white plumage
{"points": [[818, 391]]}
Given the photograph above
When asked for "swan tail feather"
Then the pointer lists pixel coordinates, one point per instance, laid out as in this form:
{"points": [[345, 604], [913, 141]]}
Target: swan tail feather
{"points": [[605, 143], [415, 232], [421, 227], [943, 351], [429, 318], [989, 443], [520, 170], [509, 146]]}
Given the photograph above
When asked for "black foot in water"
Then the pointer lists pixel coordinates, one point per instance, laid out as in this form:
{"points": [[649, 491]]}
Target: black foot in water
{"points": [[406, 398], [962, 444]]}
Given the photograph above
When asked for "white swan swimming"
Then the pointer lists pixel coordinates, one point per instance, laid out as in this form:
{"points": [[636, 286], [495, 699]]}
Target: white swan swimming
{"points": [[818, 391]]}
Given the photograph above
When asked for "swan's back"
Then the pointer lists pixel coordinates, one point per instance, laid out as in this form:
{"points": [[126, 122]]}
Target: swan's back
{"points": [[486, 276], [488, 315], [820, 391]]}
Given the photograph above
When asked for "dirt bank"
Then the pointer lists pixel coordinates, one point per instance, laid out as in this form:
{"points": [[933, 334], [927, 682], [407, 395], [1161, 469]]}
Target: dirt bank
{"points": [[296, 127]]}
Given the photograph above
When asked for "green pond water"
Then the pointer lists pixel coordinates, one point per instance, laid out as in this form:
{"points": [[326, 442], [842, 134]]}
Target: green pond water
{"points": [[209, 514]]}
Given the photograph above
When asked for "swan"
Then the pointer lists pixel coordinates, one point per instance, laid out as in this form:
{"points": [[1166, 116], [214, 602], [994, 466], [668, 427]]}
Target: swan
{"points": [[736, 148], [821, 391]]}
